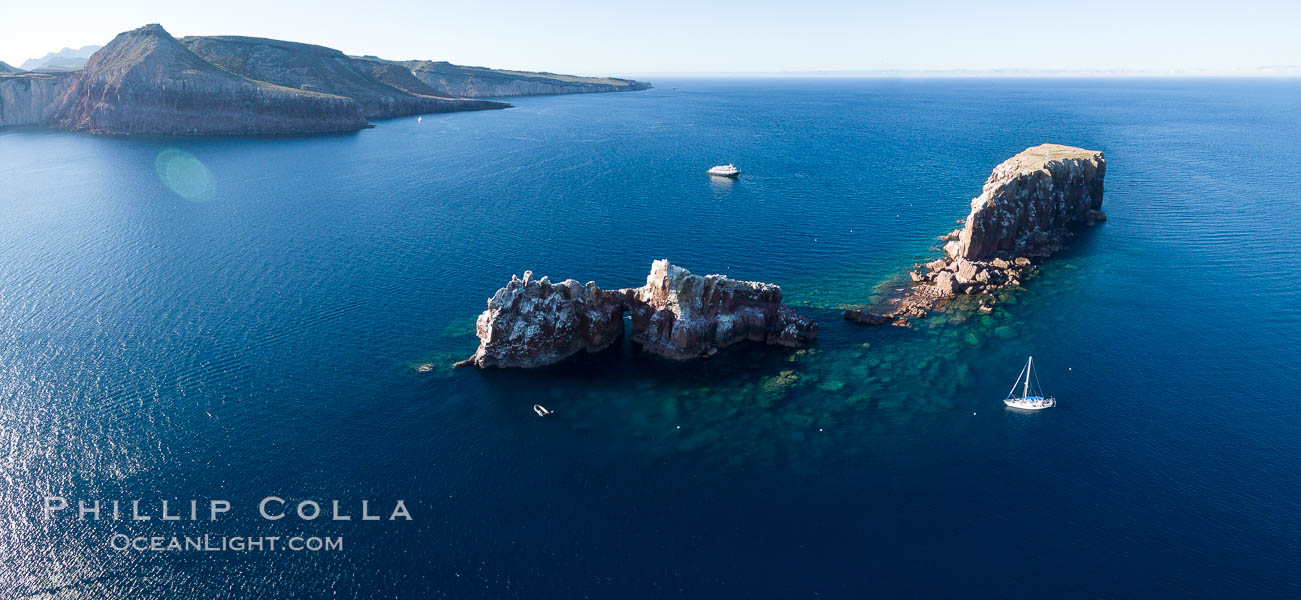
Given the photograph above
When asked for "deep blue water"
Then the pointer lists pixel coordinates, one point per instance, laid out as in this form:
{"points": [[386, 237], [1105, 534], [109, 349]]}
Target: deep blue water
{"points": [[236, 318]]}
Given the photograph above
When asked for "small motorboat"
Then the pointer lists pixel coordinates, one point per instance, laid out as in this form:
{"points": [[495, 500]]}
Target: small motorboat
{"points": [[542, 410], [1029, 399], [727, 170]]}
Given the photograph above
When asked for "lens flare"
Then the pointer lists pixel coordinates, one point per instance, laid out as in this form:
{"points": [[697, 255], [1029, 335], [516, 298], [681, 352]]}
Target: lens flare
{"points": [[184, 174]]}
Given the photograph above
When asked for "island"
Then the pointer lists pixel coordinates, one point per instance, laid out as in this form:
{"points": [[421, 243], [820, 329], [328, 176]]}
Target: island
{"points": [[675, 315], [1028, 206], [147, 82]]}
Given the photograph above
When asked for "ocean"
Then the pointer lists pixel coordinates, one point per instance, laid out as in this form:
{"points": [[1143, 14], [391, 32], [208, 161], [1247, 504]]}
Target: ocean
{"points": [[239, 318]]}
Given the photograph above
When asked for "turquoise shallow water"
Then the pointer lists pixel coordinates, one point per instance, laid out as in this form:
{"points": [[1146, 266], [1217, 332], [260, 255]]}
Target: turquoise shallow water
{"points": [[255, 328]]}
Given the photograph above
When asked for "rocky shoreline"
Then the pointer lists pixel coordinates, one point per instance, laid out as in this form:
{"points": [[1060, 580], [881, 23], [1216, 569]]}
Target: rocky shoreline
{"points": [[1025, 211], [675, 315]]}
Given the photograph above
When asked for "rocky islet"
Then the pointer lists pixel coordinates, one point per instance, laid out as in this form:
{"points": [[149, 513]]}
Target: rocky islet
{"points": [[676, 315], [1024, 213]]}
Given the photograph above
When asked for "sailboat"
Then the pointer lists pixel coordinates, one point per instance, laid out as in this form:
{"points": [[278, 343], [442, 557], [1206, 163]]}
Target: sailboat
{"points": [[1027, 401]]}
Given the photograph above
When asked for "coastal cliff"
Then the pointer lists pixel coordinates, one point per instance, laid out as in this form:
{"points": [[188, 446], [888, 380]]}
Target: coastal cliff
{"points": [[329, 71], [676, 315], [145, 81], [481, 82], [1029, 201], [31, 98], [1024, 212]]}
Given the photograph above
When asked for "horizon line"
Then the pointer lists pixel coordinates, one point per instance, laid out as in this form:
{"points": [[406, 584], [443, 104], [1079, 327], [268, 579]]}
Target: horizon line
{"points": [[1282, 72]]}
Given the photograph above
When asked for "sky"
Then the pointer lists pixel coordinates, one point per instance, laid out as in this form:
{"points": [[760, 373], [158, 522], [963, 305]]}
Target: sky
{"points": [[830, 37]]}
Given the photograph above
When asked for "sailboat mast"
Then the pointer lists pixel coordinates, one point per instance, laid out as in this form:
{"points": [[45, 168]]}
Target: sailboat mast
{"points": [[1025, 391]]}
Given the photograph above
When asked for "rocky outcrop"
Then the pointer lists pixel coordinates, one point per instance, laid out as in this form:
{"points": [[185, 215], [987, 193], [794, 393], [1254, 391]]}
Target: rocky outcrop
{"points": [[533, 322], [31, 98], [326, 70], [679, 315], [1029, 201], [1025, 211], [863, 317], [676, 315], [145, 81], [481, 82]]}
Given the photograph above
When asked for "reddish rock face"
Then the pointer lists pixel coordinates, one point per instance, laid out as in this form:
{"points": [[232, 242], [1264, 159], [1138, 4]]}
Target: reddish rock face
{"points": [[1025, 209], [676, 315], [1030, 199]]}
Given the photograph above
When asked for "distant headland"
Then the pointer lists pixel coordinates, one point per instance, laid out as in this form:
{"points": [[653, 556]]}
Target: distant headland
{"points": [[147, 82]]}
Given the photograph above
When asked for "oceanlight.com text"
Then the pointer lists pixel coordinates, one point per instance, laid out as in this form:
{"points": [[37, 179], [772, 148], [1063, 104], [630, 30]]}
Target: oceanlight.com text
{"points": [[207, 543]]}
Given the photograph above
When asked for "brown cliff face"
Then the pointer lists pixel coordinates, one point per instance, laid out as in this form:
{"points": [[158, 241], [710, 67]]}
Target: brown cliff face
{"points": [[1030, 199], [676, 315], [145, 81], [1025, 210], [326, 70]]}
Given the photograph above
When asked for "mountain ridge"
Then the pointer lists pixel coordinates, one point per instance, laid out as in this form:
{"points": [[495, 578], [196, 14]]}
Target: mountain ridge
{"points": [[318, 68], [145, 81], [67, 59]]}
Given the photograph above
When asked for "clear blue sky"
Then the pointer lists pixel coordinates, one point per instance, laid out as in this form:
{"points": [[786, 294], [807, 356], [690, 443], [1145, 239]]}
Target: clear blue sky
{"points": [[613, 38]]}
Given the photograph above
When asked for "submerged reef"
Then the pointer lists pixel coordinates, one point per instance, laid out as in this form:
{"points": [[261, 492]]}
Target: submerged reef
{"points": [[676, 315], [1024, 212]]}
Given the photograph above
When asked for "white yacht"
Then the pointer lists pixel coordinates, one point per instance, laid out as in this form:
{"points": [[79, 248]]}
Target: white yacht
{"points": [[1027, 401], [727, 170], [542, 410]]}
